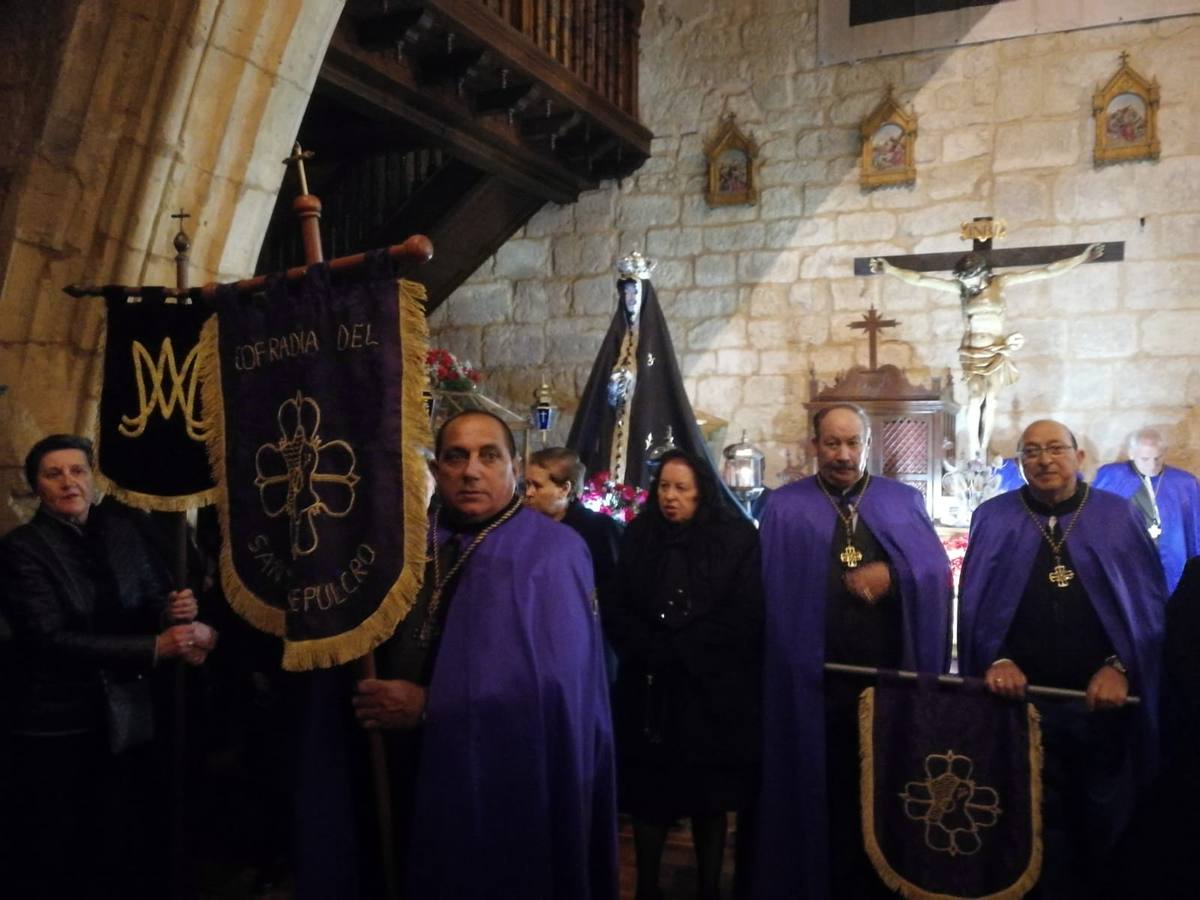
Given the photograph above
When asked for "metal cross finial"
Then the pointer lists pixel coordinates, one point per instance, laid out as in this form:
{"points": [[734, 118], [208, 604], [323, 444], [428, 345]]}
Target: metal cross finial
{"points": [[1124, 57], [297, 159], [182, 242], [873, 323]]}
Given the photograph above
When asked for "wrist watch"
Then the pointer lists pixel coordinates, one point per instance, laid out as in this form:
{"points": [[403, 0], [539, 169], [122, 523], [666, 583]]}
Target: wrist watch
{"points": [[1114, 662]]}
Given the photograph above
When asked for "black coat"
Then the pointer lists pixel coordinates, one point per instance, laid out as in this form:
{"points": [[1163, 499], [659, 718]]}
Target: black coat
{"points": [[684, 613], [80, 603]]}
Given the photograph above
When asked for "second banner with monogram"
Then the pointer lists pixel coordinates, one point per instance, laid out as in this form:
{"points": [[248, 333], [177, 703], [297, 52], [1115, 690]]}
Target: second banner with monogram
{"points": [[951, 791], [320, 478]]}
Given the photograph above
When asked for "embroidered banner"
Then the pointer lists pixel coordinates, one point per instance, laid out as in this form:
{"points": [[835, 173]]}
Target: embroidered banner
{"points": [[951, 791], [149, 437], [320, 478]]}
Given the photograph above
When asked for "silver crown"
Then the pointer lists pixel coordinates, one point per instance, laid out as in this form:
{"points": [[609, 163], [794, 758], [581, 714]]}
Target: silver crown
{"points": [[635, 266]]}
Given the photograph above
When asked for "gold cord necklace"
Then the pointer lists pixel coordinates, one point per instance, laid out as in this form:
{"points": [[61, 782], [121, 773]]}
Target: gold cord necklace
{"points": [[1060, 576], [850, 556], [440, 582]]}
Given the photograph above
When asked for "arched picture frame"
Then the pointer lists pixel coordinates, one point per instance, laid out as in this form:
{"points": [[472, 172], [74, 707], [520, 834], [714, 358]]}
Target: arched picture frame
{"points": [[732, 167], [888, 138], [1126, 112]]}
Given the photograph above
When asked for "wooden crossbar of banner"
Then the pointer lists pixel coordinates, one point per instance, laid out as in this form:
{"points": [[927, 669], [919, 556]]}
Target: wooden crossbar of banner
{"points": [[417, 249], [957, 681]]}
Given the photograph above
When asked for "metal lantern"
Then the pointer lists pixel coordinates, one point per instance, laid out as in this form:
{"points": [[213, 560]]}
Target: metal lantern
{"points": [[543, 413], [742, 471]]}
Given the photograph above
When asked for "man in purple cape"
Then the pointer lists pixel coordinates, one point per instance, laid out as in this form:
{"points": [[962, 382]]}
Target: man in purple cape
{"points": [[853, 573], [1168, 499], [495, 683], [1061, 587]]}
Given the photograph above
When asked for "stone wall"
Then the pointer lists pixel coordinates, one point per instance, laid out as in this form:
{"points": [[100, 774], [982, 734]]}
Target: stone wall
{"points": [[119, 113], [757, 295]]}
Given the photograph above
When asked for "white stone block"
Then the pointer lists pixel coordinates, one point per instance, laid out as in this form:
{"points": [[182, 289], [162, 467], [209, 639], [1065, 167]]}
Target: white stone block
{"points": [[661, 242], [766, 300], [1038, 144], [741, 236], [595, 211], [703, 303], [866, 226], [697, 212], [715, 269], [540, 301], [553, 220], [695, 364], [773, 334], [595, 296], [785, 202], [797, 233], [523, 258], [1144, 383], [1106, 336], [584, 254], [717, 334], [513, 345], [480, 304], [719, 394], [782, 266], [737, 362], [1166, 284], [1019, 198], [1175, 333]]}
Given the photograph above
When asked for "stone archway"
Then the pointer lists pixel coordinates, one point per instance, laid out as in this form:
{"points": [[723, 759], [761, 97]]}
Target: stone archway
{"points": [[125, 111]]}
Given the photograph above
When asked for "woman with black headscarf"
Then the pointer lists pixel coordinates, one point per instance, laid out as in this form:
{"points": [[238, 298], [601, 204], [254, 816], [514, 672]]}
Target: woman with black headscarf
{"points": [[684, 614]]}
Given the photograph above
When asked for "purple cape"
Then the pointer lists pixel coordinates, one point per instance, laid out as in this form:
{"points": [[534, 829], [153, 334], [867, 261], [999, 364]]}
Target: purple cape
{"points": [[1115, 560], [798, 528], [515, 793], [1178, 497]]}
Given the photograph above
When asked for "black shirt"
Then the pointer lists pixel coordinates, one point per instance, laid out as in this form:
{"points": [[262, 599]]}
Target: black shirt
{"points": [[1056, 638]]}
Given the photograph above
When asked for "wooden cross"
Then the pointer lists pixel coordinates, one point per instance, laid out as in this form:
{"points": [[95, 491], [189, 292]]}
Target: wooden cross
{"points": [[872, 323], [1114, 251]]}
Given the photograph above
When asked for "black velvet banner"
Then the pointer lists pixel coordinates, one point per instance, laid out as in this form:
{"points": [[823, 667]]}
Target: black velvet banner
{"points": [[320, 479], [951, 790], [150, 439]]}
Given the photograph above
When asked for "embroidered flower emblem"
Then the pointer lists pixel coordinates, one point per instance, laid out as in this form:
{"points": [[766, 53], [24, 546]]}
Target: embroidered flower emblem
{"points": [[303, 476], [953, 807]]}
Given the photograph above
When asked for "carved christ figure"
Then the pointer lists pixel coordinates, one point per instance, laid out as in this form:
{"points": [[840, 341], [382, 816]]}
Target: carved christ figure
{"points": [[986, 350]]}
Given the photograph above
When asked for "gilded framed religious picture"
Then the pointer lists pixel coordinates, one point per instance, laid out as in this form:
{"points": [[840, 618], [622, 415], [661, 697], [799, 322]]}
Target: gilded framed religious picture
{"points": [[888, 137], [732, 158], [1126, 111]]}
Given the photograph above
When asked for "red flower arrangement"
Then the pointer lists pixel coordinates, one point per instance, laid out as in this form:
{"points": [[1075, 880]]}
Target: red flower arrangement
{"points": [[956, 549], [618, 501], [447, 373]]}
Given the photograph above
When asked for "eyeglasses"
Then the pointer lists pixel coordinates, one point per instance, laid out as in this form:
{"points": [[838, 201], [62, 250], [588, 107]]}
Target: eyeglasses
{"points": [[1054, 451]]}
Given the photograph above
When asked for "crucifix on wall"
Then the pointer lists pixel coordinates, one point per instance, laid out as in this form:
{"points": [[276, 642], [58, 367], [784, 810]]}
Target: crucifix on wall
{"points": [[985, 352]]}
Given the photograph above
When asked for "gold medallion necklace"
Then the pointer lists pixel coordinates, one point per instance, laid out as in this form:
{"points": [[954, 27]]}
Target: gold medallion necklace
{"points": [[1060, 576], [850, 556], [440, 582]]}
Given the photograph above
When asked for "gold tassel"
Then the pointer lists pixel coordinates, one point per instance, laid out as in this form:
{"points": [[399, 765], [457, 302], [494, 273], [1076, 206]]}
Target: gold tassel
{"points": [[301, 656]]}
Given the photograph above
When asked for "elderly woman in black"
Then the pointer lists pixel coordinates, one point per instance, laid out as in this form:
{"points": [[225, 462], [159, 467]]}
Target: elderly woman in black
{"points": [[91, 615], [684, 613]]}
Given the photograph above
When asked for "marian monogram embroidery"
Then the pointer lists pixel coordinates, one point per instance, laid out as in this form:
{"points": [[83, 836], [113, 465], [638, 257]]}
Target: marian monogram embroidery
{"points": [[183, 383], [304, 476], [953, 807]]}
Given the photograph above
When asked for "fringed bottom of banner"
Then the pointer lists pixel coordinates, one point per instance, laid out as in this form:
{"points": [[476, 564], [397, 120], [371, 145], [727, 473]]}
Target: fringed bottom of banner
{"points": [[888, 875], [379, 626]]}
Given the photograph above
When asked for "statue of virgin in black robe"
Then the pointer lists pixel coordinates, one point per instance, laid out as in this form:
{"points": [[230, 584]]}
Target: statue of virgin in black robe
{"points": [[634, 401]]}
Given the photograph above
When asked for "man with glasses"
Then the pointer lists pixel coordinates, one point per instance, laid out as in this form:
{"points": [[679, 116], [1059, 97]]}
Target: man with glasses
{"points": [[1168, 499], [1061, 587]]}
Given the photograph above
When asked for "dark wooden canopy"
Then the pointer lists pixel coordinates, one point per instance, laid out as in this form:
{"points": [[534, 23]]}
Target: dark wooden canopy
{"points": [[460, 119]]}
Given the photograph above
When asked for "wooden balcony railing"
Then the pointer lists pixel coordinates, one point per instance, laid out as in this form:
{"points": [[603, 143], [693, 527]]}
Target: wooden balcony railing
{"points": [[595, 39]]}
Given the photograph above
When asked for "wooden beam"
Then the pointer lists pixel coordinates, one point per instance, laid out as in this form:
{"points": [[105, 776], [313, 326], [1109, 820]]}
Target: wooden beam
{"points": [[387, 90], [1114, 251]]}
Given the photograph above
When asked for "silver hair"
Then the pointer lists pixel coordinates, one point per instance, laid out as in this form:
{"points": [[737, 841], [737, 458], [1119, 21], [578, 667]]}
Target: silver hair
{"points": [[1146, 436]]}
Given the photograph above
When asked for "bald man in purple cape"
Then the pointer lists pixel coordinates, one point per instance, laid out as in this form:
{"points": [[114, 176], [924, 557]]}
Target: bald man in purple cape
{"points": [[1061, 586], [854, 573], [495, 687], [1168, 498]]}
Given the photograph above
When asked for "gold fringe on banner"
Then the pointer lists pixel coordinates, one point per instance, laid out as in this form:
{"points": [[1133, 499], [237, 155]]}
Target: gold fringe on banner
{"points": [[155, 502], [244, 602], [415, 434], [889, 876]]}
